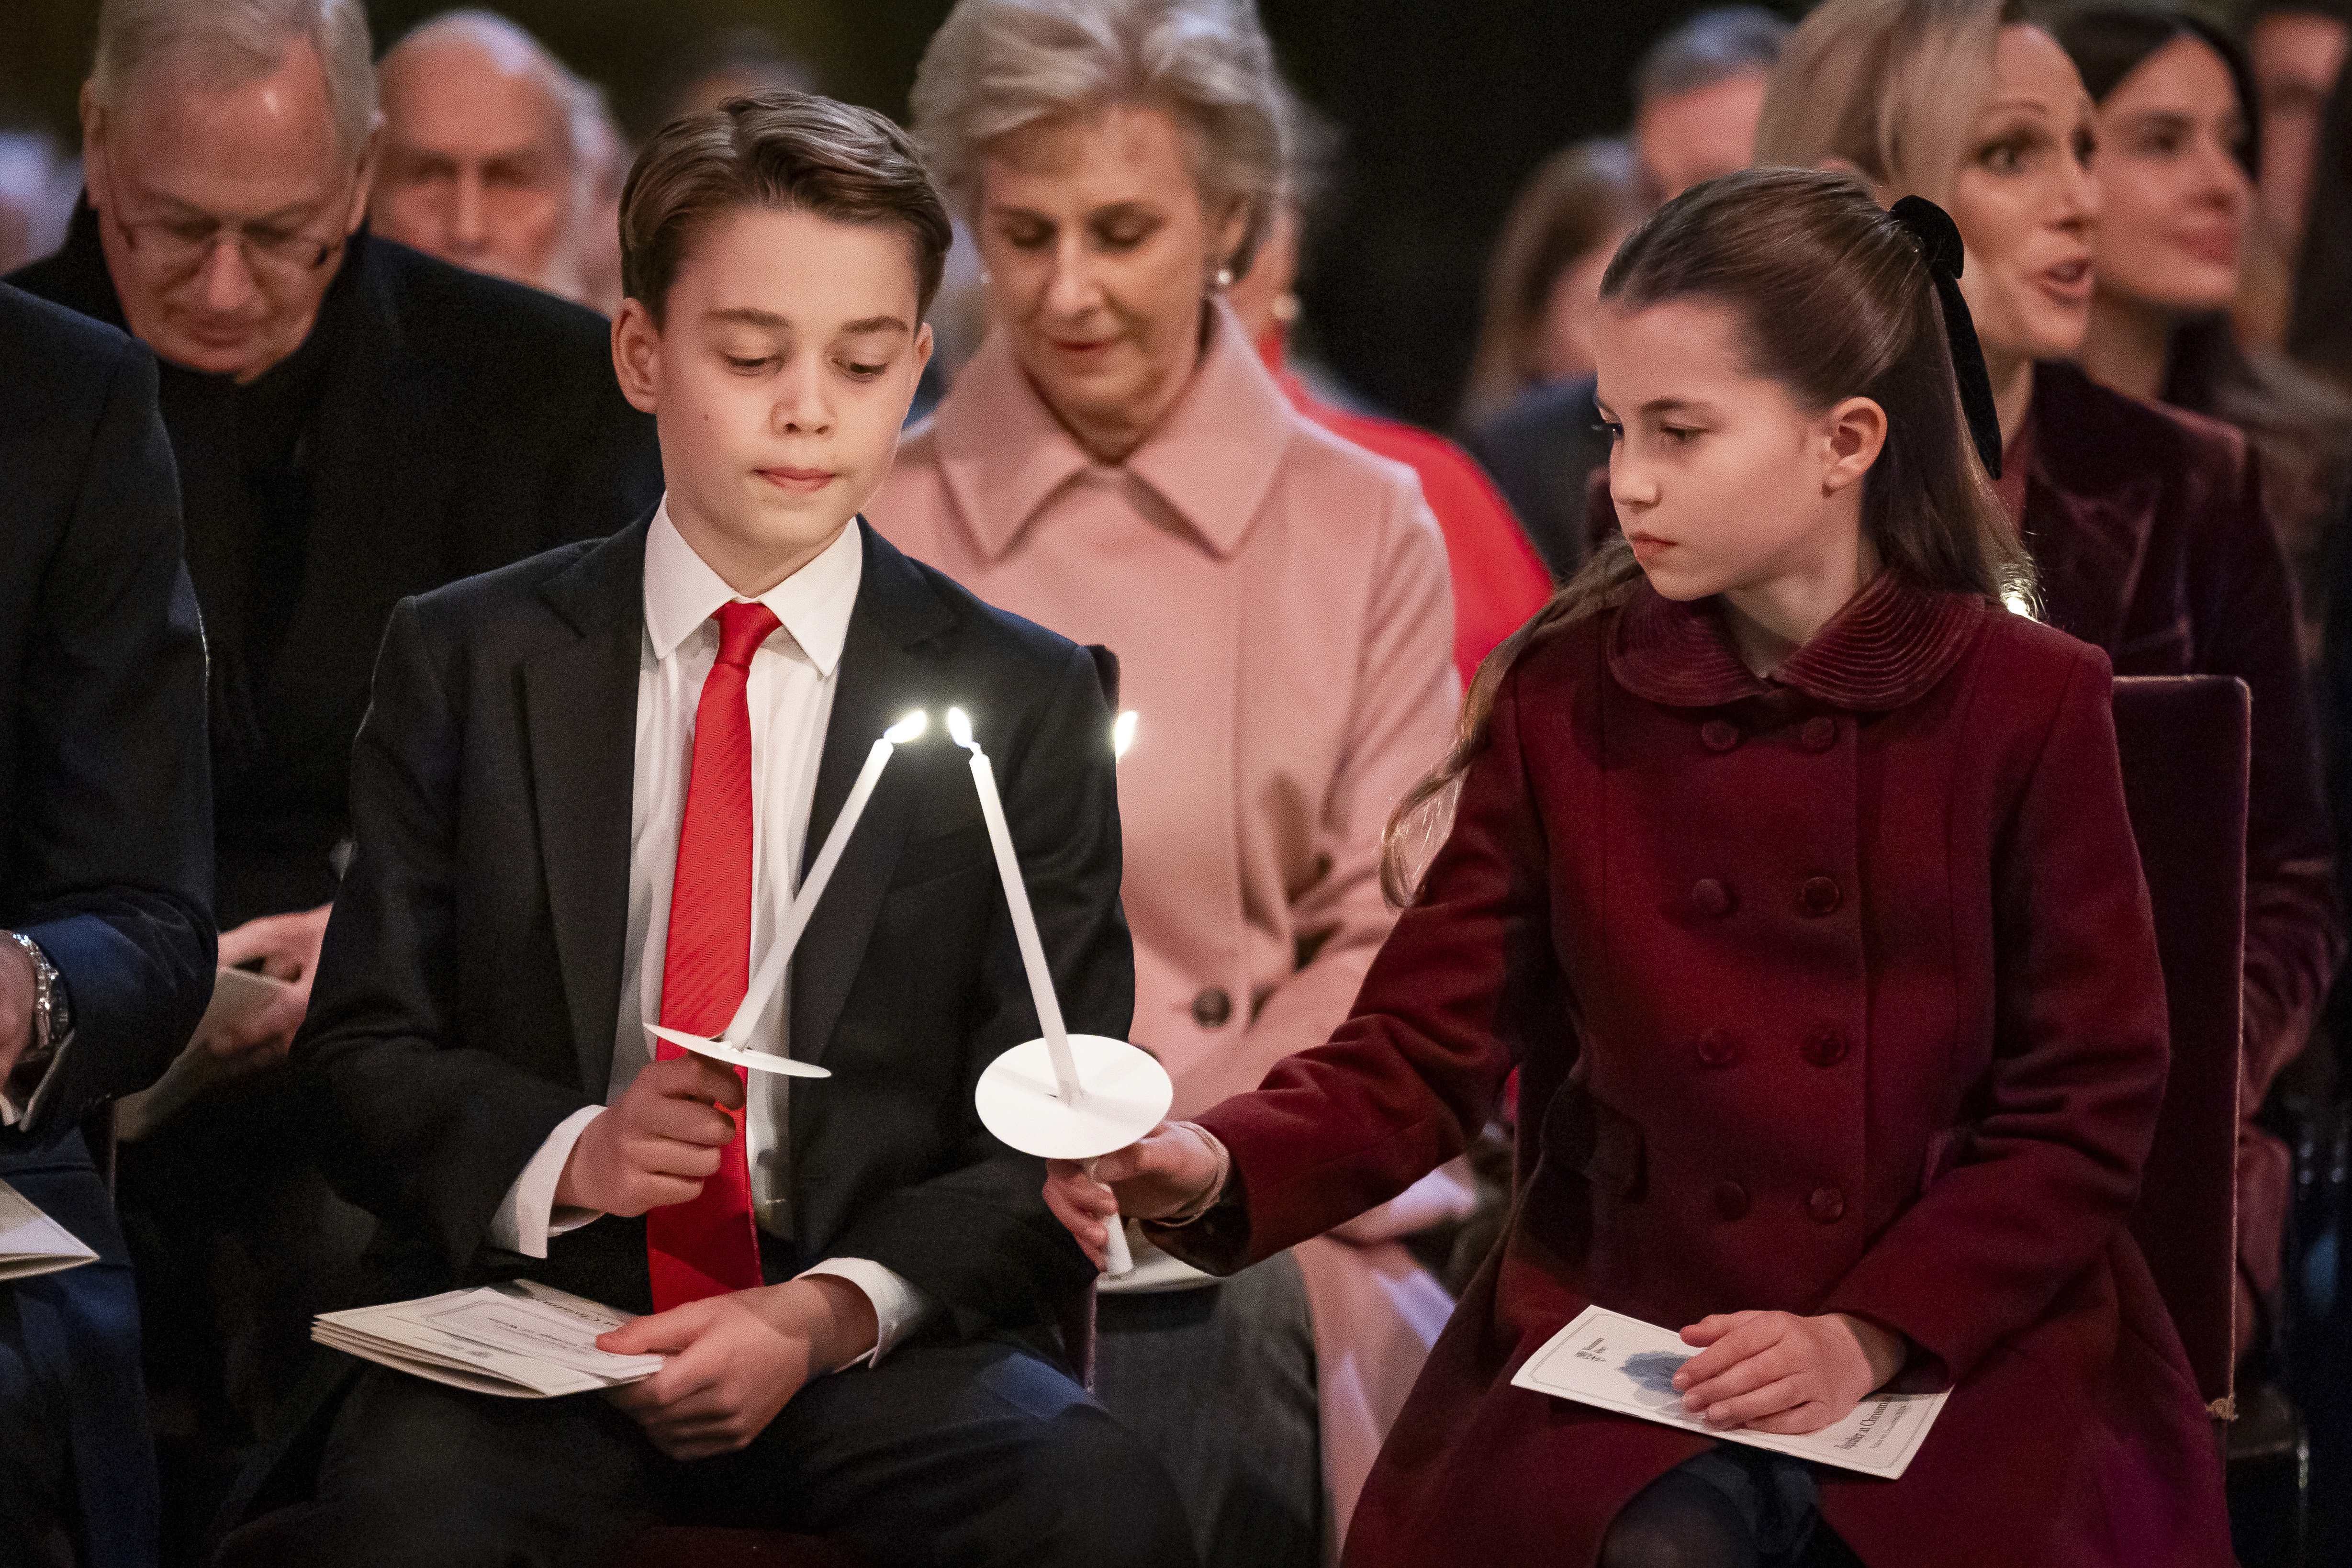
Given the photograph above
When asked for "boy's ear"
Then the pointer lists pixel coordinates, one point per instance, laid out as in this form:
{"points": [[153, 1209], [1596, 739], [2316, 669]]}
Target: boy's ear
{"points": [[637, 353], [1854, 434]]}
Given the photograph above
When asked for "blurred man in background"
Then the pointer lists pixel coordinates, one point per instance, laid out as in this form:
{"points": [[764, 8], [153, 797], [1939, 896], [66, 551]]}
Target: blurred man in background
{"points": [[2298, 47], [1697, 96], [493, 152], [352, 423]]}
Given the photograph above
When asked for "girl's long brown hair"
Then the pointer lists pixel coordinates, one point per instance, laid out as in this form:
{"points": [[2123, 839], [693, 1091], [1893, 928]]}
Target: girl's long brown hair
{"points": [[1834, 300]]}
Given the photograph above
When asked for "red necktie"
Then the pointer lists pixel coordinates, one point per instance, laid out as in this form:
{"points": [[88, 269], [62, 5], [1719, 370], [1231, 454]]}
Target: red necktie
{"points": [[709, 1245]]}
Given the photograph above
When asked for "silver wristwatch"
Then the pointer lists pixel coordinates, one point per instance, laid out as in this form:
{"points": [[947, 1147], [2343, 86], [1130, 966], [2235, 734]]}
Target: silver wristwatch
{"points": [[51, 1023]]}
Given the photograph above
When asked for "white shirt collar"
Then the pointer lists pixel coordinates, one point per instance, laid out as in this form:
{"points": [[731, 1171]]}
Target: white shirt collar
{"points": [[814, 604]]}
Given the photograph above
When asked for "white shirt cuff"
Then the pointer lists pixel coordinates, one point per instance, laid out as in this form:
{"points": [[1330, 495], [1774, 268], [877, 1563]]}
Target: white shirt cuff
{"points": [[526, 1215], [898, 1307], [12, 1114]]}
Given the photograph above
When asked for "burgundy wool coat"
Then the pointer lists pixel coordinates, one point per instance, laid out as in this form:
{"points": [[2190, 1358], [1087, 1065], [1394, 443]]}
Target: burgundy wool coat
{"points": [[1836, 992]]}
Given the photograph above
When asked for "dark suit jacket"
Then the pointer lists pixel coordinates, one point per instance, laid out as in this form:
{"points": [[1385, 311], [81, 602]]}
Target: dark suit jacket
{"points": [[1541, 448], [2147, 530], [468, 995], [463, 423], [105, 852]]}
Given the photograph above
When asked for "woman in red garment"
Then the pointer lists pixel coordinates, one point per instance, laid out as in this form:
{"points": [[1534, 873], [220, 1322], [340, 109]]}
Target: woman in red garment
{"points": [[1794, 873]]}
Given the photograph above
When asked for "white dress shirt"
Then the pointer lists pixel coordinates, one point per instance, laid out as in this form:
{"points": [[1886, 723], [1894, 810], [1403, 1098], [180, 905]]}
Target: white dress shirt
{"points": [[790, 696]]}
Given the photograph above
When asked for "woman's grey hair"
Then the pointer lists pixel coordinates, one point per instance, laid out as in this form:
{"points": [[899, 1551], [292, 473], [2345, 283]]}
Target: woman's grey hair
{"points": [[1890, 87], [231, 42], [996, 65]]}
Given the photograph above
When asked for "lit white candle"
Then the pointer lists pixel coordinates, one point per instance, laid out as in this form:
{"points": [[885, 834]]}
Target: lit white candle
{"points": [[1025, 924], [828, 856], [771, 972]]}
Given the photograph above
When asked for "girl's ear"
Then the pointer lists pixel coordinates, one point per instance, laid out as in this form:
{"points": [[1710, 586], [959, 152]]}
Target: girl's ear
{"points": [[1853, 435]]}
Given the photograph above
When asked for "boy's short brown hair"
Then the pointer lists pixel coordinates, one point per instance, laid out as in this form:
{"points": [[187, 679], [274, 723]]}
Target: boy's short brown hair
{"points": [[775, 150]]}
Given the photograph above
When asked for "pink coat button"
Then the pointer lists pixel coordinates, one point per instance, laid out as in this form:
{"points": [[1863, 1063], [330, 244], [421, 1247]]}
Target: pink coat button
{"points": [[1717, 1049], [1824, 1047], [1718, 735], [1819, 734], [1710, 896], [1818, 895], [1827, 1205], [1730, 1200]]}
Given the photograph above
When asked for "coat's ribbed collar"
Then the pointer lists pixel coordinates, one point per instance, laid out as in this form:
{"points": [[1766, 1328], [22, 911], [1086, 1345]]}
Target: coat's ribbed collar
{"points": [[1889, 645]]}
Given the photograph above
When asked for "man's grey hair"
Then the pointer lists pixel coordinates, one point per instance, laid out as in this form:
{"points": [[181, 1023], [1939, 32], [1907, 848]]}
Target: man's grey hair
{"points": [[1712, 47], [581, 102], [997, 66], [229, 43]]}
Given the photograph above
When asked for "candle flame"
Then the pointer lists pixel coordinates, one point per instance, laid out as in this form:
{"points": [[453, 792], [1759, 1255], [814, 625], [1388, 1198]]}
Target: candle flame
{"points": [[908, 728], [1122, 733], [959, 729]]}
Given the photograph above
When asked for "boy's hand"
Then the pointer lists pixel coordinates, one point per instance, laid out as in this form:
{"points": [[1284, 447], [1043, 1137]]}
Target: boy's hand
{"points": [[1163, 1173], [1776, 1372], [733, 1361], [657, 1143]]}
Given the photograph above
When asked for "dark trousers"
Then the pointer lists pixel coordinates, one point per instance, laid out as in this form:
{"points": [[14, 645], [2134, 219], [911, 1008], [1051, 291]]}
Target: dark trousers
{"points": [[75, 1464], [977, 1452]]}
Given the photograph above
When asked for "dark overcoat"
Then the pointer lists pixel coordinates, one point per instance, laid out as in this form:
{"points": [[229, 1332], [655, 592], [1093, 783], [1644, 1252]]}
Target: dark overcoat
{"points": [[1837, 991]]}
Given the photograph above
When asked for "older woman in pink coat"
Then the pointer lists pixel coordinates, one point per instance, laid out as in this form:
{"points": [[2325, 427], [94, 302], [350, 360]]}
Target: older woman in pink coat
{"points": [[1117, 464]]}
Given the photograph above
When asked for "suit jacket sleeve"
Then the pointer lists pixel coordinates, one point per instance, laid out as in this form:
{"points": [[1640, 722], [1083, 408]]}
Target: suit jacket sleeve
{"points": [[1403, 693], [413, 1123], [110, 847], [977, 1238], [2049, 1168], [1411, 1076]]}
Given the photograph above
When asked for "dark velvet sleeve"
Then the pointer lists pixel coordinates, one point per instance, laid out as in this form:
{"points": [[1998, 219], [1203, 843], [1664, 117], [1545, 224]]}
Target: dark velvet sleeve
{"points": [[1412, 1074], [110, 848]]}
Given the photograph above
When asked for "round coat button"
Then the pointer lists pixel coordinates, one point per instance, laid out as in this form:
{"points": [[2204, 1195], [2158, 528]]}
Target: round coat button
{"points": [[1827, 1205], [1718, 1049], [1819, 895], [1824, 1047], [1730, 1200], [1211, 1007], [1819, 734], [1718, 735], [1710, 896]]}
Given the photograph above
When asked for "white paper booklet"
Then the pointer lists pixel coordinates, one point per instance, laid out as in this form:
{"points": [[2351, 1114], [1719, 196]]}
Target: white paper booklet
{"points": [[1621, 1363], [522, 1340], [32, 1243]]}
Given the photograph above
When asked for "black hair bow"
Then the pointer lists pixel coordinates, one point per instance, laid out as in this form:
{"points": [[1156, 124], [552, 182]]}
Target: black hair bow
{"points": [[1940, 247]]}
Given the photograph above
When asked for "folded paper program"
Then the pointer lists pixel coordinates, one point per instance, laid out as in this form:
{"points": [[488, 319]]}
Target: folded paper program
{"points": [[521, 1340]]}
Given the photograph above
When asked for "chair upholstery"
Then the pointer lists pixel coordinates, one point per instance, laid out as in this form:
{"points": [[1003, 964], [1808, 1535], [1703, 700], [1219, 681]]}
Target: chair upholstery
{"points": [[2185, 743]]}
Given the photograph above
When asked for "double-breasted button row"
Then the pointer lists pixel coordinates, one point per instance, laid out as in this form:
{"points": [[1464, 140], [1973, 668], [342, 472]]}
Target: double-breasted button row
{"points": [[1825, 1206], [1211, 1007], [1711, 898]]}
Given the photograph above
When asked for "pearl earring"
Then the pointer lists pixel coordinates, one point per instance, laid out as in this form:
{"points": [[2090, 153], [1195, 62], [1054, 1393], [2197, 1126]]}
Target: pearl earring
{"points": [[1224, 277]]}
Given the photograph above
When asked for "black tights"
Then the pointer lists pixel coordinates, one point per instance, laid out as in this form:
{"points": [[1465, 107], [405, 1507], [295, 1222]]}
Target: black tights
{"points": [[1680, 1522]]}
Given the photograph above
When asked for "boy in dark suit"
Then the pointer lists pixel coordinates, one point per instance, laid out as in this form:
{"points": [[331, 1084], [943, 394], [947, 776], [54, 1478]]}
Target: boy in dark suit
{"points": [[582, 799]]}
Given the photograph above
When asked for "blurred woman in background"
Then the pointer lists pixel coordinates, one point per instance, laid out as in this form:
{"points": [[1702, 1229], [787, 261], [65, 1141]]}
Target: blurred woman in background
{"points": [[2179, 150], [1117, 464], [1543, 286], [2147, 525]]}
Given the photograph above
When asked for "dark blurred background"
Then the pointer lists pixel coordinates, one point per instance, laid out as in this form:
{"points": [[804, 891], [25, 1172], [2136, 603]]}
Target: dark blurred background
{"points": [[1443, 110]]}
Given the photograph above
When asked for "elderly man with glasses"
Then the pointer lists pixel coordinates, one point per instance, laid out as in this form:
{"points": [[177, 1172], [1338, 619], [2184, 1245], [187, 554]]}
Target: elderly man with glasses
{"points": [[352, 423]]}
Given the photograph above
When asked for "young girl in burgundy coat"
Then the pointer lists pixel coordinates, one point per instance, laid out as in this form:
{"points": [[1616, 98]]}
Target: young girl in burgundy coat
{"points": [[1793, 871]]}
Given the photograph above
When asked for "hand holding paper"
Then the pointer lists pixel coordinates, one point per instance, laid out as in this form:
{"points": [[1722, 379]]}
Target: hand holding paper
{"points": [[258, 1035], [1776, 1372], [657, 1143]]}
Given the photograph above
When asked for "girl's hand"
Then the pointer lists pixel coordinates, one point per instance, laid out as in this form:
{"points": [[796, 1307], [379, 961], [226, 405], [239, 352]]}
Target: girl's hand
{"points": [[1776, 1372], [1165, 1172]]}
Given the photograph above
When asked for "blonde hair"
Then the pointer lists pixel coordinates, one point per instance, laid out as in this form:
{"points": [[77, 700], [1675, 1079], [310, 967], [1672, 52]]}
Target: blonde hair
{"points": [[1891, 88], [997, 66], [231, 42]]}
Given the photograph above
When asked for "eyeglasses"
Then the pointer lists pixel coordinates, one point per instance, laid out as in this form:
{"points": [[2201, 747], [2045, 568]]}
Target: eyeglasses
{"points": [[183, 244]]}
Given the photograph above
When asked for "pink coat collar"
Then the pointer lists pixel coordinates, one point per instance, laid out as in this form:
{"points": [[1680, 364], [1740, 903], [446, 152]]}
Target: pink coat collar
{"points": [[1004, 455]]}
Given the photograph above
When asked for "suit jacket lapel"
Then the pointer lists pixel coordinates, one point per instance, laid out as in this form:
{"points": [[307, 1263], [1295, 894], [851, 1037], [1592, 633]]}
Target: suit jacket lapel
{"points": [[580, 702], [879, 680]]}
